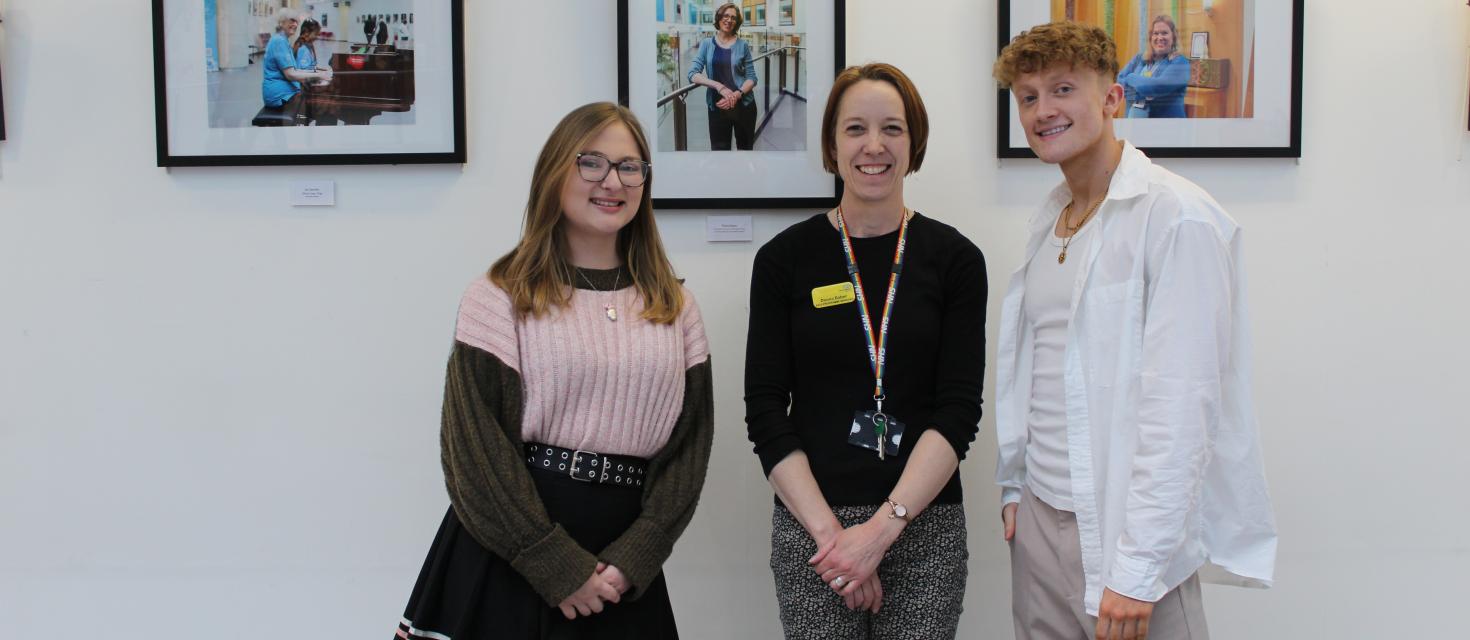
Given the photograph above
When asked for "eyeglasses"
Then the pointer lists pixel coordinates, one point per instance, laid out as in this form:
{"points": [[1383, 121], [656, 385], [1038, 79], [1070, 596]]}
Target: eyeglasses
{"points": [[594, 167], [728, 16]]}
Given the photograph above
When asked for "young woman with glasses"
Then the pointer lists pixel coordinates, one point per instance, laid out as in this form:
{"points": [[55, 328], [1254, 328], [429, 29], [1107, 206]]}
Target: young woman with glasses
{"points": [[577, 416]]}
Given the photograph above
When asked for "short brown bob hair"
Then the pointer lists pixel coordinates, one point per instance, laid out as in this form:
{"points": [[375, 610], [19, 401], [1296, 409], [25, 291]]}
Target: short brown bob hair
{"points": [[916, 117], [1063, 42], [739, 19]]}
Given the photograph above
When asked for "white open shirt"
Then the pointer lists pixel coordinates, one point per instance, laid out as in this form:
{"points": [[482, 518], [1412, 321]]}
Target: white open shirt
{"points": [[1167, 477]]}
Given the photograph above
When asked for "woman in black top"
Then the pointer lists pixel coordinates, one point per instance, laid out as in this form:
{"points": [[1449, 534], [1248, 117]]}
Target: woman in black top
{"points": [[863, 546]]}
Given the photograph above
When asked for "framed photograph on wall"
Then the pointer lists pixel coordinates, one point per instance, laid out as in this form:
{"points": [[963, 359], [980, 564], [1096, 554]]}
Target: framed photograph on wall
{"points": [[302, 82], [1199, 45], [743, 132], [1242, 99]]}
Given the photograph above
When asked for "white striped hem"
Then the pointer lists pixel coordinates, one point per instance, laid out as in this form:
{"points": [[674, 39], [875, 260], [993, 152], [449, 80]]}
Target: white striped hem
{"points": [[415, 633]]}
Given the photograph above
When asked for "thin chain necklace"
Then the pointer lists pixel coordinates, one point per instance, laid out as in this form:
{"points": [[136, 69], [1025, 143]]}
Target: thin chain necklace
{"points": [[1067, 216], [608, 307]]}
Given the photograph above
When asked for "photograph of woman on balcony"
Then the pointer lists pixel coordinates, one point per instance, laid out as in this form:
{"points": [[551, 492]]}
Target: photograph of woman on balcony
{"points": [[1179, 58], [746, 59], [723, 65]]}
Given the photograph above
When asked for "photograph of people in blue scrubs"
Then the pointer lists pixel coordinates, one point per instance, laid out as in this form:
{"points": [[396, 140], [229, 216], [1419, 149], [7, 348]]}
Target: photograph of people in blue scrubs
{"points": [[1177, 58], [732, 76], [309, 63]]}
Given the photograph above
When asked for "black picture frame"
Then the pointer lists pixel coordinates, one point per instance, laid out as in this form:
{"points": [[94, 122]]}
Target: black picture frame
{"points": [[1282, 126], [777, 200], [2, 107], [2, 95], [449, 132]]}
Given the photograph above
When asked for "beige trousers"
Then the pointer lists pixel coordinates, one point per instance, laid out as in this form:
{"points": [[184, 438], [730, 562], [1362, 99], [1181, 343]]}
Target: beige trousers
{"points": [[1047, 583]]}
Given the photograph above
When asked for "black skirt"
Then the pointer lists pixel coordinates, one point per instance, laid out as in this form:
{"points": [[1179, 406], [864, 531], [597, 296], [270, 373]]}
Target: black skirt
{"points": [[466, 592]]}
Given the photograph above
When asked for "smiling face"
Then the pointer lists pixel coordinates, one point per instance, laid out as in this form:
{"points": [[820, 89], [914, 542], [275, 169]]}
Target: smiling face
{"points": [[1066, 111], [872, 140], [728, 20], [595, 210], [1161, 39]]}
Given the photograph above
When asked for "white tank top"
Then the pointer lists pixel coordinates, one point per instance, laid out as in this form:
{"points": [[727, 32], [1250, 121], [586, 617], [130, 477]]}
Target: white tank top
{"points": [[1047, 308]]}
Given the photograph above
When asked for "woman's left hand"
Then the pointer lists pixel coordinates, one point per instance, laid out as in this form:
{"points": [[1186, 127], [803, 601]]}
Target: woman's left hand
{"points": [[856, 554], [614, 577], [867, 597], [729, 101]]}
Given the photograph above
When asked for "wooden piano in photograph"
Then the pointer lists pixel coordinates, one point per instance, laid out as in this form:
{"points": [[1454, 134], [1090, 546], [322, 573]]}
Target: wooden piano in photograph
{"points": [[1207, 96], [364, 85]]}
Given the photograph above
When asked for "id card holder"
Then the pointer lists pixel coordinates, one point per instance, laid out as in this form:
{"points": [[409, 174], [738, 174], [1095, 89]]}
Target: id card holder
{"points": [[864, 432]]}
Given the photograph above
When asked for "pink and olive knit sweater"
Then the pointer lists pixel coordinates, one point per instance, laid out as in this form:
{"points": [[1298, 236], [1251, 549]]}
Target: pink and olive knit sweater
{"points": [[590, 383], [573, 378]]}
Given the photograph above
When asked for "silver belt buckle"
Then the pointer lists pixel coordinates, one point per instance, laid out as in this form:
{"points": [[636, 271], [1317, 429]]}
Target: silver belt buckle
{"points": [[575, 456]]}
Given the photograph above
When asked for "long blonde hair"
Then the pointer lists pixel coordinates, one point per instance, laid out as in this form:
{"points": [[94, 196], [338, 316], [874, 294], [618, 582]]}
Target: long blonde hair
{"points": [[536, 274]]}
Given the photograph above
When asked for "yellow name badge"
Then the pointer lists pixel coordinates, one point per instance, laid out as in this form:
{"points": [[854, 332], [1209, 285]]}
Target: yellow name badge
{"points": [[832, 295]]}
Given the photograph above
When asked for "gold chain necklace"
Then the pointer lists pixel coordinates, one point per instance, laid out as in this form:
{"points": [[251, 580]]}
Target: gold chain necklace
{"points": [[608, 307], [1067, 215]]}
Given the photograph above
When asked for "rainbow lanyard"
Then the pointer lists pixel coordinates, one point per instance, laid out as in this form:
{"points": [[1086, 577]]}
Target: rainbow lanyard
{"points": [[877, 341]]}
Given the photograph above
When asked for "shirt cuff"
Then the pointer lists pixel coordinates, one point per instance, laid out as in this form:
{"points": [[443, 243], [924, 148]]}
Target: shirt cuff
{"points": [[1136, 578], [1009, 495], [773, 452], [960, 430]]}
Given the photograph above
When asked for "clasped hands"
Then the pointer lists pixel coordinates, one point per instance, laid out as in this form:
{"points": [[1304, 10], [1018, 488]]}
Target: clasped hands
{"points": [[730, 98], [606, 584], [848, 561]]}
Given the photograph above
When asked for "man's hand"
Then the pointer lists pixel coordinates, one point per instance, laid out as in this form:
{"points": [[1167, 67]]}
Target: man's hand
{"points": [[1120, 617], [1008, 519]]}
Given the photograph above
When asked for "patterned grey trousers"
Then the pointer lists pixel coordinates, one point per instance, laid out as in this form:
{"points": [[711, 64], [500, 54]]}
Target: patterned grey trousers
{"points": [[923, 576]]}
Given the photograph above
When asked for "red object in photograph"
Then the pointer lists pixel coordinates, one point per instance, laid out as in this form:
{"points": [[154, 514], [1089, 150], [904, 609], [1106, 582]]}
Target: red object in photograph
{"points": [[356, 62]]}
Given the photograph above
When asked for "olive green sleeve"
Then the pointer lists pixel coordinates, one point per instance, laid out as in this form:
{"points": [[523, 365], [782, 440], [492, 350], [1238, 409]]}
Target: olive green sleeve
{"points": [[489, 487], [671, 490]]}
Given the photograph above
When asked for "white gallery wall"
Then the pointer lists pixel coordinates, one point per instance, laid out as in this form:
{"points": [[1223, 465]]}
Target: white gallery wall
{"points": [[218, 413]]}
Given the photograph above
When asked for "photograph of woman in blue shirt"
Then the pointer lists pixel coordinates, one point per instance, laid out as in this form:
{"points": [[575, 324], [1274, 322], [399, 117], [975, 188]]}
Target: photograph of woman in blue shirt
{"points": [[305, 52], [282, 77], [1154, 81]]}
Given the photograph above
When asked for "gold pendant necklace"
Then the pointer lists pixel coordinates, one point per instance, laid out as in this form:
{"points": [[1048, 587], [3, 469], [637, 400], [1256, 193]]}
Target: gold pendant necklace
{"points": [[608, 308], [1067, 215]]}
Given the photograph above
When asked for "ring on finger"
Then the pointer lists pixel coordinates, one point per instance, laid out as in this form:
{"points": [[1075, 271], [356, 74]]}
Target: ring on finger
{"points": [[839, 581]]}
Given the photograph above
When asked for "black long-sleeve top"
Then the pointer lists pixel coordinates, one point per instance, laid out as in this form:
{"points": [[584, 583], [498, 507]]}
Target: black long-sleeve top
{"points": [[807, 369]]}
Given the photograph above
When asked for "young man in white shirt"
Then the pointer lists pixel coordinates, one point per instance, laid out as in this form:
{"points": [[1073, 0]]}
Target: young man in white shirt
{"points": [[1129, 461]]}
